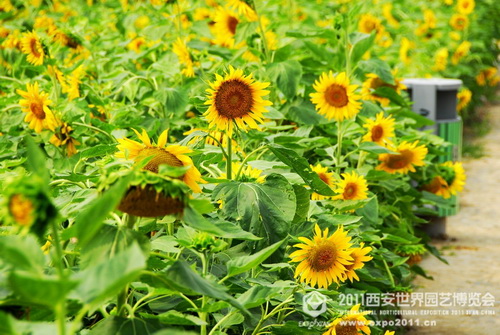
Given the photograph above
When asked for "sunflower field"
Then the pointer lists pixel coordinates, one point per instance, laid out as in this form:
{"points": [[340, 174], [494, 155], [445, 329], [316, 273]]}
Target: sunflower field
{"points": [[199, 167]]}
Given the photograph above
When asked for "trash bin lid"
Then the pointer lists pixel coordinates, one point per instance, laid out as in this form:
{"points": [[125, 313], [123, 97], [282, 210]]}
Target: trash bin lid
{"points": [[442, 84]]}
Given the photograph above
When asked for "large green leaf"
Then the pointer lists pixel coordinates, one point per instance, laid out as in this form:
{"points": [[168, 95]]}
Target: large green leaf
{"points": [[126, 326], [301, 166], [180, 277], [361, 43], [90, 220], [173, 317], [37, 160], [302, 199], [303, 112], [106, 278], [46, 291], [287, 76], [375, 148], [379, 67], [22, 253], [244, 263], [10, 326], [266, 210], [258, 295]]}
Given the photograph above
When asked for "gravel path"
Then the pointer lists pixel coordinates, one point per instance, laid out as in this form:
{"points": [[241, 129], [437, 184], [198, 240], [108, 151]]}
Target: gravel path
{"points": [[472, 250]]}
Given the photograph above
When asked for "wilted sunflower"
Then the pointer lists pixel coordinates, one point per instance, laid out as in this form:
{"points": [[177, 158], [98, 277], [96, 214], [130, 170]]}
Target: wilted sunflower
{"points": [[236, 99], [36, 105], [326, 177], [464, 97], [172, 155], [352, 323], [380, 130], [351, 187], [32, 47], [465, 6], [63, 137], [459, 21], [409, 155], [322, 259], [359, 256], [374, 82], [335, 97]]}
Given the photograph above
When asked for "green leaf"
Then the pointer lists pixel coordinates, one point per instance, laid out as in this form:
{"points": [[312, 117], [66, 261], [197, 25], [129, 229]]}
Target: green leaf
{"points": [[303, 112], [37, 160], [219, 228], [241, 264], [370, 211], [46, 291], [258, 295], [10, 326], [22, 253], [177, 318], [105, 279], [266, 210], [328, 220], [420, 121], [98, 150], [181, 277], [301, 166], [380, 68], [361, 43], [391, 94], [174, 99], [90, 220], [287, 76], [126, 326], [244, 30], [375, 148], [302, 200]]}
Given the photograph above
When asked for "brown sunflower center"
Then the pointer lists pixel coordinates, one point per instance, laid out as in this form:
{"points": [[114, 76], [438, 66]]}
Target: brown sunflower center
{"points": [[324, 177], [400, 161], [377, 133], [323, 257], [346, 328], [37, 109], [147, 202], [369, 26], [160, 156], [34, 48], [336, 96], [350, 191], [234, 99], [232, 23]]}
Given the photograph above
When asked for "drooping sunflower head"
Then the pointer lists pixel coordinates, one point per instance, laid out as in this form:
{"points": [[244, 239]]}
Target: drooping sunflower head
{"points": [[414, 252], [351, 187], [326, 177], [408, 156], [335, 97], [352, 323], [459, 22], [464, 98], [36, 106], [158, 154], [236, 100], [33, 48], [63, 138], [373, 82], [380, 130], [322, 259], [359, 256], [465, 6]]}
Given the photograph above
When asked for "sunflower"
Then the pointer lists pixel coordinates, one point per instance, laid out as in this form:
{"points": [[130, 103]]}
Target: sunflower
{"points": [[236, 99], [464, 98], [173, 155], [350, 324], [387, 12], [322, 259], [136, 44], [335, 98], [368, 23], [359, 256], [462, 50], [457, 182], [63, 137], [406, 45], [21, 209], [351, 187], [409, 155], [438, 186], [182, 52], [226, 22], [36, 105], [247, 174], [380, 130], [465, 6], [488, 76], [31, 46], [441, 60], [326, 177], [373, 82], [459, 21], [243, 9]]}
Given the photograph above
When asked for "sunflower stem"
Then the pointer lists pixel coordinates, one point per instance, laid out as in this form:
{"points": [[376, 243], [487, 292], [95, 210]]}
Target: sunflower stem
{"points": [[361, 159], [262, 33], [96, 129], [339, 146], [204, 299], [246, 159], [347, 55], [389, 273], [229, 158], [60, 308]]}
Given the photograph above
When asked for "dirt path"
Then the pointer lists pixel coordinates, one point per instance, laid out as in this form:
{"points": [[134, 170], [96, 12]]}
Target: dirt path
{"points": [[472, 250]]}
